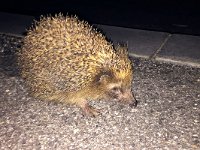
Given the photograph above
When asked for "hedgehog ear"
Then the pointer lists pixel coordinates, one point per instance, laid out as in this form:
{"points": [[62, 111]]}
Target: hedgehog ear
{"points": [[103, 77]]}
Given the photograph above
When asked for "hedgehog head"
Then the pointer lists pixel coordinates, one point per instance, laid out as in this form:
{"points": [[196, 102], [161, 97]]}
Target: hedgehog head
{"points": [[116, 81]]}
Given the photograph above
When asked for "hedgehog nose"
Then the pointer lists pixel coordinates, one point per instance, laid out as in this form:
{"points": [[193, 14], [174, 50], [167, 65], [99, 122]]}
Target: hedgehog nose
{"points": [[134, 102]]}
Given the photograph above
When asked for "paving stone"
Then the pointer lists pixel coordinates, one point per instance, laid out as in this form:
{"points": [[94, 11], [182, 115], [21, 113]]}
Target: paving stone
{"points": [[140, 42], [14, 23], [182, 47]]}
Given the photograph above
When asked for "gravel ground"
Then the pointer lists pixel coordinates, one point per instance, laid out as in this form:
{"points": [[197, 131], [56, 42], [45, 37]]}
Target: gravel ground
{"points": [[167, 116]]}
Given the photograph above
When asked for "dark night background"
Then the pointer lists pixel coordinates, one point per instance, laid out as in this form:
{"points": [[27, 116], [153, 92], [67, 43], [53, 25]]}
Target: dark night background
{"points": [[169, 16]]}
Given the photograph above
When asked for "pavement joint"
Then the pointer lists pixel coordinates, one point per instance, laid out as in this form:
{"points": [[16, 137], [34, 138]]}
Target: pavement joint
{"points": [[153, 56], [178, 62], [13, 34]]}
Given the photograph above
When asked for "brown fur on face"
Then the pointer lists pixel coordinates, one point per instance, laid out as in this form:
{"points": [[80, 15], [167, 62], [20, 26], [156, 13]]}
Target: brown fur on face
{"points": [[119, 89]]}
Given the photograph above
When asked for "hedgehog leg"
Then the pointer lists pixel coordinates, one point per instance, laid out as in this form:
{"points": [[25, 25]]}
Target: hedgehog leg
{"points": [[87, 109], [91, 111]]}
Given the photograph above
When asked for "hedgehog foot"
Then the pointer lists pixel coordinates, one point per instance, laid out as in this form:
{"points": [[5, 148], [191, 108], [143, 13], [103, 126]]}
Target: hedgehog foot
{"points": [[88, 110], [91, 111]]}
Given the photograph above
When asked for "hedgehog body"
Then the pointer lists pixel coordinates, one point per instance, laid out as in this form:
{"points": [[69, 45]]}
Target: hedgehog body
{"points": [[67, 60]]}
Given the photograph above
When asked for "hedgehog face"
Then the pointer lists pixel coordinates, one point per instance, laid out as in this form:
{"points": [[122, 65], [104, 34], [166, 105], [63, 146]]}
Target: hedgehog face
{"points": [[121, 92], [118, 89]]}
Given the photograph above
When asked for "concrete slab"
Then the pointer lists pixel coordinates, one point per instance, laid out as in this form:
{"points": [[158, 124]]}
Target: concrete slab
{"points": [[14, 23], [140, 42], [181, 48]]}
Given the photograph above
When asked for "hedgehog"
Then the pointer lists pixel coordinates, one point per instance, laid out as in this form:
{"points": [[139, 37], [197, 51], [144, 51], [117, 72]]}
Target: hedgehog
{"points": [[67, 60]]}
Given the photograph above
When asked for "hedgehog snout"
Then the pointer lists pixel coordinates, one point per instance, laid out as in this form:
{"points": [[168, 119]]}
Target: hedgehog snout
{"points": [[125, 96], [134, 102], [128, 97]]}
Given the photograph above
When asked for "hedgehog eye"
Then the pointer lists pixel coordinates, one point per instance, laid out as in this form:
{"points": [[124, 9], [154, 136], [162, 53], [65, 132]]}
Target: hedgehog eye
{"points": [[116, 90]]}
